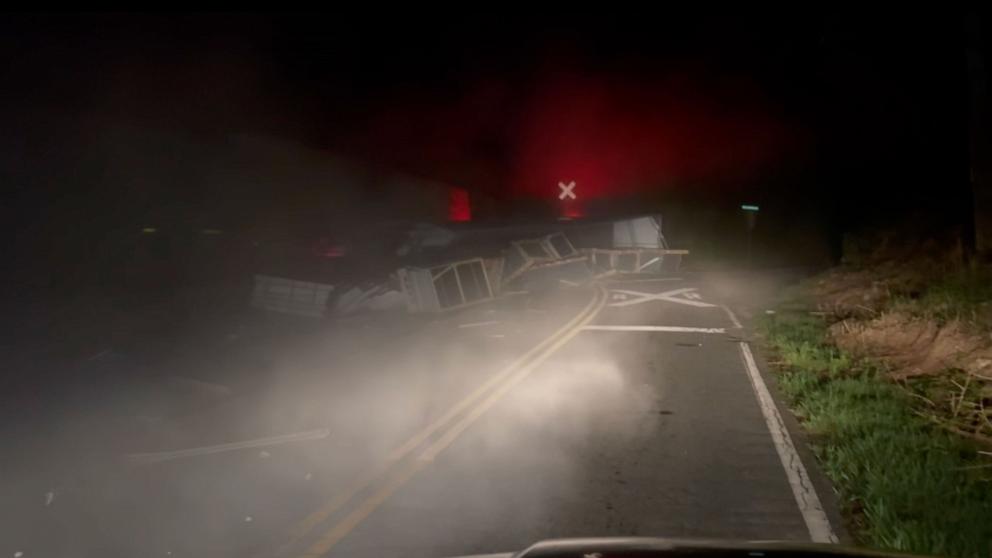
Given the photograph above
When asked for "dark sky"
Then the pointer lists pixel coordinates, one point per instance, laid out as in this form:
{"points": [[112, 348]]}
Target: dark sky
{"points": [[863, 109]]}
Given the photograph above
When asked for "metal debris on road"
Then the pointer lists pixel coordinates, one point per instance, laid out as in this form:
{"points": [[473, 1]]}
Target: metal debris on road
{"points": [[769, 311], [689, 344], [49, 498], [380, 296], [289, 296], [446, 287], [18, 554], [249, 519], [426, 235]]}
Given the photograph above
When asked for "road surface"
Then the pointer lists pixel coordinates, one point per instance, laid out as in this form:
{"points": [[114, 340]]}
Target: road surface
{"points": [[629, 407]]}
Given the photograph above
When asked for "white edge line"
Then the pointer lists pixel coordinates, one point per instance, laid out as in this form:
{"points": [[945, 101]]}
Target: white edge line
{"points": [[733, 318], [808, 501], [674, 329]]}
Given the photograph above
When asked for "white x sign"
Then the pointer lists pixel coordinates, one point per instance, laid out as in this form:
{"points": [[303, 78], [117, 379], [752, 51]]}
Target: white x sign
{"points": [[668, 296], [566, 190]]}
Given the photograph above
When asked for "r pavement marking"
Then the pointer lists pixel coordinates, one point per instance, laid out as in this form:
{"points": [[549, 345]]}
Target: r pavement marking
{"points": [[808, 501]]}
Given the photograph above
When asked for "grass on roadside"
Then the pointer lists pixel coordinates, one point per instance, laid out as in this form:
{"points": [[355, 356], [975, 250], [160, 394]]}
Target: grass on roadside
{"points": [[904, 484]]}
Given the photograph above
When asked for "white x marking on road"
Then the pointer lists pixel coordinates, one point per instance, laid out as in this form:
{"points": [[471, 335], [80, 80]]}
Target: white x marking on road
{"points": [[668, 296], [566, 190]]}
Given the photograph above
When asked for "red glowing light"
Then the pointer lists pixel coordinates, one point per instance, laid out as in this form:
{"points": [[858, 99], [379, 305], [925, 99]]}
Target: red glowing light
{"points": [[459, 208], [328, 248], [617, 138], [573, 212]]}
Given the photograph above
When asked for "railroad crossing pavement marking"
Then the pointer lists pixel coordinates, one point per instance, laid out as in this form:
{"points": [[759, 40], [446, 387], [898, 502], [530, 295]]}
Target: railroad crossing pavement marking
{"points": [[807, 499], [521, 366], [667, 296]]}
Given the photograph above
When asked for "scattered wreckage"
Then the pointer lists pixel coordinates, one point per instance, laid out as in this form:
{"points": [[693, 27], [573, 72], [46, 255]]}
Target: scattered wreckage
{"points": [[550, 261]]}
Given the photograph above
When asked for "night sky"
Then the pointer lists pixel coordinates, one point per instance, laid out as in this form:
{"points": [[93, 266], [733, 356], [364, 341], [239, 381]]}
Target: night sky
{"points": [[864, 113]]}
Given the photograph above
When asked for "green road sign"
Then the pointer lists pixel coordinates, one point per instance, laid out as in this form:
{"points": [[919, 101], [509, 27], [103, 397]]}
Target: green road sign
{"points": [[749, 207]]}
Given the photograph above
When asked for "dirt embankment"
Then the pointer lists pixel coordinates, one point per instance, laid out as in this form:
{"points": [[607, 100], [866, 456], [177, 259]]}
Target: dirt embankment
{"points": [[890, 314], [916, 346]]}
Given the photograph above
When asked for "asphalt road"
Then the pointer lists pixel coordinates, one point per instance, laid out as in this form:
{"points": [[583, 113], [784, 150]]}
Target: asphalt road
{"points": [[623, 408]]}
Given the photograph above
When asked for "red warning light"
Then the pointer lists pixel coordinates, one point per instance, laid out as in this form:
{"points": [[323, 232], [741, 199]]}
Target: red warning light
{"points": [[572, 211], [459, 208]]}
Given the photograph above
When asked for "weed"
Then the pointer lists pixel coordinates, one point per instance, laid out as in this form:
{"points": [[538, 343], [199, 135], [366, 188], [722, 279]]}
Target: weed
{"points": [[905, 484], [964, 294]]}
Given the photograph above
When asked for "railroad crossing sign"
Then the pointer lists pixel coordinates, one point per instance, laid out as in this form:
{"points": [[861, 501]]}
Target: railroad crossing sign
{"points": [[567, 190], [687, 296]]}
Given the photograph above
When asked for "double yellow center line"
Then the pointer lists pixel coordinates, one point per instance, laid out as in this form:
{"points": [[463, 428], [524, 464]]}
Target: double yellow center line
{"points": [[391, 475]]}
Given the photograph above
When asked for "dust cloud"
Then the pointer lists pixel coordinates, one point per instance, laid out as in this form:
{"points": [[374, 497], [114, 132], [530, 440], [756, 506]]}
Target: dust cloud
{"points": [[371, 383]]}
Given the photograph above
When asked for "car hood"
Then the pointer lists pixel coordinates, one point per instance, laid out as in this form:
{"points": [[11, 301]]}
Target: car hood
{"points": [[640, 547]]}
